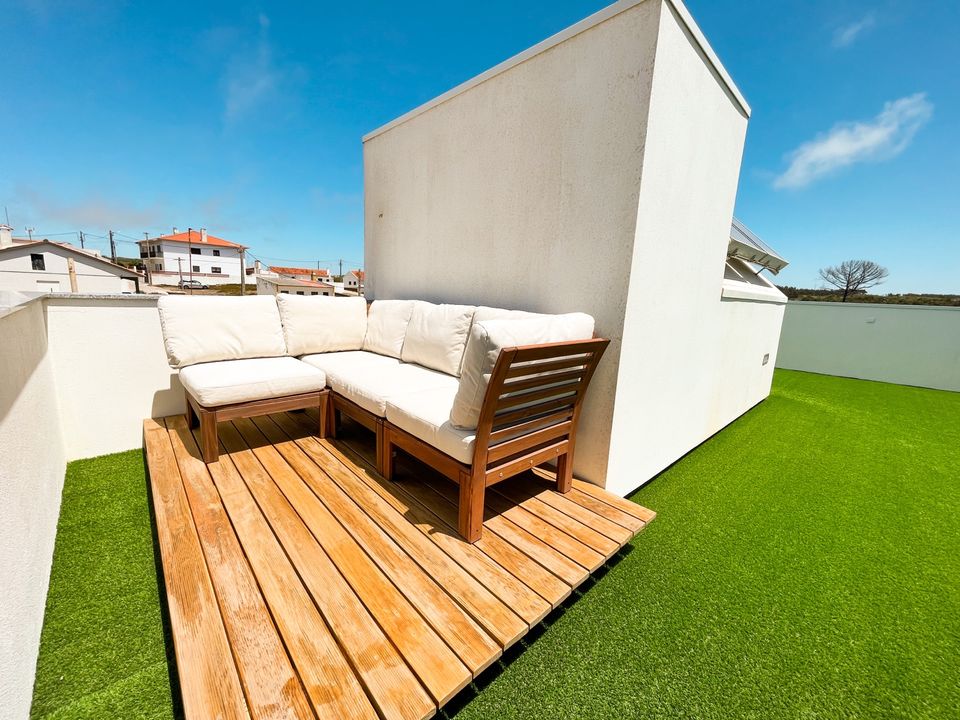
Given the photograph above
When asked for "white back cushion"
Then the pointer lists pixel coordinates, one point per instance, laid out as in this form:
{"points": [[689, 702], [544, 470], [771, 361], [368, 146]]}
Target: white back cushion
{"points": [[437, 335], [319, 324], [204, 328], [488, 337], [386, 326]]}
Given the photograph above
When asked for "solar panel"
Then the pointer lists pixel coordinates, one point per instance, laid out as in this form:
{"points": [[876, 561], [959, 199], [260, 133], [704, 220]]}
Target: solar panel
{"points": [[744, 244]]}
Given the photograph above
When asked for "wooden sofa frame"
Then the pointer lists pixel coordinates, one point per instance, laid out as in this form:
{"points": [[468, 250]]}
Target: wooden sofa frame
{"points": [[208, 417], [529, 416]]}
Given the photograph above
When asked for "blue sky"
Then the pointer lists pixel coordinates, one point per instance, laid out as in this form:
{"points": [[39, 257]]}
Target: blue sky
{"points": [[246, 118]]}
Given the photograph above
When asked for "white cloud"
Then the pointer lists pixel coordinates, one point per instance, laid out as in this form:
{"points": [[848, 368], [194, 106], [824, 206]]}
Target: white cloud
{"points": [[254, 78], [884, 137], [848, 34]]}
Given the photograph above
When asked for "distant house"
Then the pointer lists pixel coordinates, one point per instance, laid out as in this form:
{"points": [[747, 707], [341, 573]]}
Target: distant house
{"points": [[192, 255], [312, 274], [44, 266], [267, 285], [353, 280]]}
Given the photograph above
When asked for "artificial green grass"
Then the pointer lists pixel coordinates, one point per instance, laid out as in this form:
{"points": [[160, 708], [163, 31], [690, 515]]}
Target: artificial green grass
{"points": [[102, 649], [804, 563]]}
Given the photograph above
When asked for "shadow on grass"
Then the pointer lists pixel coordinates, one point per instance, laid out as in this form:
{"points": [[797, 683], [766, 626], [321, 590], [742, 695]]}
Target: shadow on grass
{"points": [[488, 676]]}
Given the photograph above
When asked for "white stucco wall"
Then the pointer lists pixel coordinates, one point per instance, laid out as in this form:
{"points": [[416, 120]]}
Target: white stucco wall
{"points": [[111, 370], [504, 193], [32, 463], [676, 330], [904, 344], [614, 150]]}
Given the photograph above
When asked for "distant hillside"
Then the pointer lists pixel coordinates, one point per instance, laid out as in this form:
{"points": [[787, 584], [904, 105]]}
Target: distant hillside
{"points": [[830, 295]]}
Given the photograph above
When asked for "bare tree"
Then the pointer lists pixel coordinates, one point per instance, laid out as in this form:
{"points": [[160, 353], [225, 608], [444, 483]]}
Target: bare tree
{"points": [[852, 276]]}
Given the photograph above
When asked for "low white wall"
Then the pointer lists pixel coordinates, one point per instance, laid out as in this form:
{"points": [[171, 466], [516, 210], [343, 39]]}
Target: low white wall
{"points": [[904, 344], [32, 464], [111, 371]]}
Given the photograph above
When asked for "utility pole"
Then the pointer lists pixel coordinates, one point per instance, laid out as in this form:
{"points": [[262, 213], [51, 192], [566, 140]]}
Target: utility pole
{"points": [[190, 255], [113, 247], [243, 272], [180, 270], [29, 233], [82, 246], [341, 268]]}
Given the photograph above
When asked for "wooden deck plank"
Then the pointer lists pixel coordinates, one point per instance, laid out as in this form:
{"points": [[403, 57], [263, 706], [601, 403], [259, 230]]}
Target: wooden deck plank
{"points": [[438, 667], [328, 678], [486, 608], [533, 486], [515, 594], [390, 683], [302, 584], [212, 687], [622, 504], [271, 686], [473, 645], [550, 587], [535, 547], [565, 523]]}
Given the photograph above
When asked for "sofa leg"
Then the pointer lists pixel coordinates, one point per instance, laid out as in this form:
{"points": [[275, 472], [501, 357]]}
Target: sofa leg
{"points": [[208, 436], [331, 417], [471, 505], [388, 456], [192, 419], [381, 432], [564, 473], [324, 415]]}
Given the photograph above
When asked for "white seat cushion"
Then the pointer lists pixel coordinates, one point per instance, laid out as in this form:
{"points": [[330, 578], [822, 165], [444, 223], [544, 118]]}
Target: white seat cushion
{"points": [[436, 336], [386, 326], [208, 328], [318, 324], [426, 415], [488, 337], [369, 380], [225, 382]]}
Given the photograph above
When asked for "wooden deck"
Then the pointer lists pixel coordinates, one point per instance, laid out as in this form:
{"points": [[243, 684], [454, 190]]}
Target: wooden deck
{"points": [[300, 584]]}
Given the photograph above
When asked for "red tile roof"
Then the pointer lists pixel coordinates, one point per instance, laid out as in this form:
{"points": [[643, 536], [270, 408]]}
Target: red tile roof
{"points": [[298, 271], [360, 274], [194, 239]]}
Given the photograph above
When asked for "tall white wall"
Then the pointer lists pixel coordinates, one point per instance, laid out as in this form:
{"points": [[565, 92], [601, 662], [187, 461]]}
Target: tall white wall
{"points": [[904, 344], [610, 152], [676, 330], [32, 464], [111, 370], [509, 193]]}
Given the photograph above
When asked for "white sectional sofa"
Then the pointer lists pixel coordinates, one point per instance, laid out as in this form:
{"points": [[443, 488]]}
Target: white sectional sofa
{"points": [[479, 393]]}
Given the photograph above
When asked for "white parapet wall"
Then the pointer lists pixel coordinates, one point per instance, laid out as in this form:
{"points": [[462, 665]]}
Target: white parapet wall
{"points": [[111, 371], [32, 464], [596, 172], [904, 344]]}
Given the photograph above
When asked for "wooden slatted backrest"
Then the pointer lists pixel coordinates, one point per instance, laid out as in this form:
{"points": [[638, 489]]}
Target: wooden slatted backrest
{"points": [[534, 397]]}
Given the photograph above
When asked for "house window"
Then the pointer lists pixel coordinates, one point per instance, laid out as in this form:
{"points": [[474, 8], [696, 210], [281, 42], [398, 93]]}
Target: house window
{"points": [[216, 253], [195, 251], [36, 259], [143, 253], [215, 270], [314, 292], [196, 268], [299, 292], [284, 292]]}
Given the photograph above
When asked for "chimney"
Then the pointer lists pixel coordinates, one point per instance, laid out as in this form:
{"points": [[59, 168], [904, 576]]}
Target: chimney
{"points": [[6, 236], [203, 234], [256, 267], [174, 230]]}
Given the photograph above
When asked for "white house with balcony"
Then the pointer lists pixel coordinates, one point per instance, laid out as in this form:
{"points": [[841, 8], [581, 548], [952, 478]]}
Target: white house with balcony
{"points": [[192, 255]]}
